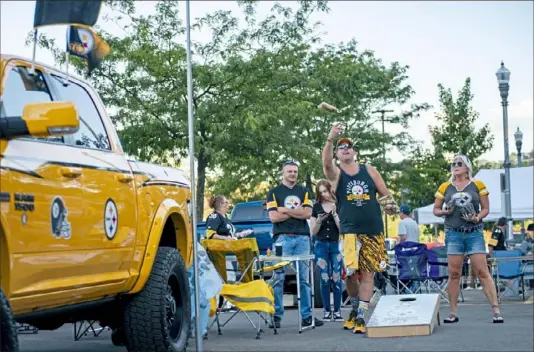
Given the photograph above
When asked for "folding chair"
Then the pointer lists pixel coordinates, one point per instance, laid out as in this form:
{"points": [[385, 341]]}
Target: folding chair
{"points": [[246, 293], [411, 262], [438, 272], [509, 270], [86, 327]]}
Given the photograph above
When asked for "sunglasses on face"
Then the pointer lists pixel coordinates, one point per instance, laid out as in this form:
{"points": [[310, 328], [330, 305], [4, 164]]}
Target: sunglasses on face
{"points": [[457, 164], [291, 162], [344, 146]]}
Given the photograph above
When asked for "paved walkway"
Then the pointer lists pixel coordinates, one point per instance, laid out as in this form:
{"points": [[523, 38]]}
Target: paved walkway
{"points": [[474, 332]]}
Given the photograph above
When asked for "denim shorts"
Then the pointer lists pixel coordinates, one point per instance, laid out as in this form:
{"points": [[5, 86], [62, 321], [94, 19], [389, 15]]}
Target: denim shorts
{"points": [[460, 243]]}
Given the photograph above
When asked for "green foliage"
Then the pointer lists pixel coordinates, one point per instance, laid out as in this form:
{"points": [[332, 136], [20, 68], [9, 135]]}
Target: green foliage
{"points": [[454, 133], [257, 85]]}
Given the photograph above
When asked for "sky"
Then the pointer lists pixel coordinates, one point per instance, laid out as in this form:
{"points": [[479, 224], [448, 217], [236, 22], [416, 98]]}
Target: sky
{"points": [[442, 42]]}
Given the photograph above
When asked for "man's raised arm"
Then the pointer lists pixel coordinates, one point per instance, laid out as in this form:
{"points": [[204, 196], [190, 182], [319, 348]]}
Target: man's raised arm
{"points": [[330, 170]]}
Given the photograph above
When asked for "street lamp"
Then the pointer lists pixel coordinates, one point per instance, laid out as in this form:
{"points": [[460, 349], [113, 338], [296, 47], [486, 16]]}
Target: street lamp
{"points": [[503, 77], [518, 136]]}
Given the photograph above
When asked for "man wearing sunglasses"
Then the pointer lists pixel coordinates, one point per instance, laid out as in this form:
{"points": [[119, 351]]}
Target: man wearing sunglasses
{"points": [[357, 186], [289, 207]]}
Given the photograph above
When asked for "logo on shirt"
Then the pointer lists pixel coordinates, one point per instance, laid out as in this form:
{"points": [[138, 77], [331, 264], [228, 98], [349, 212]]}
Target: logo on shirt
{"points": [[461, 199], [292, 202], [358, 191], [231, 229]]}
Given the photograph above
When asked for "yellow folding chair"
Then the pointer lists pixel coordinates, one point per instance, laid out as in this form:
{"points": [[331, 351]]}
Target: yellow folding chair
{"points": [[246, 293]]}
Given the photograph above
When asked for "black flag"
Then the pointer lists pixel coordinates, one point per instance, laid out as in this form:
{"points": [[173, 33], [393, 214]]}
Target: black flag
{"points": [[85, 43], [54, 12]]}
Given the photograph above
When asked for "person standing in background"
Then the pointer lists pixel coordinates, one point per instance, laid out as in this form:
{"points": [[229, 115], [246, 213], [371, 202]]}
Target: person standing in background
{"points": [[408, 228]]}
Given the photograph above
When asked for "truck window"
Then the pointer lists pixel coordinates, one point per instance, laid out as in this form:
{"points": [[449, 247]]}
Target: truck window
{"points": [[250, 213], [92, 133], [21, 89]]}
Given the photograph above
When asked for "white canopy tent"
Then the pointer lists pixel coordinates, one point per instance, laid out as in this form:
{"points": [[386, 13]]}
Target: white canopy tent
{"points": [[522, 196]]}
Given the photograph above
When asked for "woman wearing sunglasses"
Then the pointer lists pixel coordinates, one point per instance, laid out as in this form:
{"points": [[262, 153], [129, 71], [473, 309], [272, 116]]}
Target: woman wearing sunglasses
{"points": [[464, 202]]}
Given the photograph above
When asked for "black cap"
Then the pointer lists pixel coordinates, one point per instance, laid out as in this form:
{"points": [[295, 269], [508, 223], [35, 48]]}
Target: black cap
{"points": [[530, 227]]}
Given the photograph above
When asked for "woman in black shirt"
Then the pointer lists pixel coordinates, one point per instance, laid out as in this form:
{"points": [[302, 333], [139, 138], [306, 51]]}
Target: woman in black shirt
{"points": [[325, 229], [218, 226]]}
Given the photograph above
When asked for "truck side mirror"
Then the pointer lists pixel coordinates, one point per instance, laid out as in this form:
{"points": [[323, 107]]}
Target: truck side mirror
{"points": [[41, 120]]}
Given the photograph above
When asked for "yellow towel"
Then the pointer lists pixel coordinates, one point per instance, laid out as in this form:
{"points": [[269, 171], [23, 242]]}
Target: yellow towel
{"points": [[351, 250]]}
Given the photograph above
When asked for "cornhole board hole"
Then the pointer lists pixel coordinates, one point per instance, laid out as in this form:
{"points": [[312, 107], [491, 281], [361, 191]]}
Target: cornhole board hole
{"points": [[404, 315]]}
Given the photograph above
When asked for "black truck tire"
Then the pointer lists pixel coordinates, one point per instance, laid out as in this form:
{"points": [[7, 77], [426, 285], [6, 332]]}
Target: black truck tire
{"points": [[9, 340], [157, 319]]}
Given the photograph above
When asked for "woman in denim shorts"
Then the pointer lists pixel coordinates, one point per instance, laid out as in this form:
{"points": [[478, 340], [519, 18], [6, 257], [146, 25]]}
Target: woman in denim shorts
{"points": [[464, 202]]}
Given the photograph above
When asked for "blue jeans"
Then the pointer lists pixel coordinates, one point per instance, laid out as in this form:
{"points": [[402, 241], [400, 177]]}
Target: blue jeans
{"points": [[293, 245], [329, 259], [459, 243]]}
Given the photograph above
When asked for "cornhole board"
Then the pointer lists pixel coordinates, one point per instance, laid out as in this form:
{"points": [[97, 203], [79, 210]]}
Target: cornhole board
{"points": [[404, 315]]}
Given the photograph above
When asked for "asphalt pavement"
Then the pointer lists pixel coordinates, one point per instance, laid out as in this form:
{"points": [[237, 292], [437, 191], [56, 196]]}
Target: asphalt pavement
{"points": [[474, 332]]}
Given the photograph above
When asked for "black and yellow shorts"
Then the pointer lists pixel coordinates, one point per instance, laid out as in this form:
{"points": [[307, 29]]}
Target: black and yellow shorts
{"points": [[365, 253]]}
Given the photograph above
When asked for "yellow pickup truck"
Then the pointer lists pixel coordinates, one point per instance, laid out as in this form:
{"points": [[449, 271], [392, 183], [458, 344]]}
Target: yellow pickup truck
{"points": [[86, 234]]}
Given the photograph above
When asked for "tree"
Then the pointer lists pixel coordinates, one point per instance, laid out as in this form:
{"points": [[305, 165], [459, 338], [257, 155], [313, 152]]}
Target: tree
{"points": [[454, 133], [143, 80], [355, 81]]}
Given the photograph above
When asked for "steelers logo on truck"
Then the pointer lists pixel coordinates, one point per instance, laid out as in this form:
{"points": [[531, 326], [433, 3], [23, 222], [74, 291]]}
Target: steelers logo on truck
{"points": [[59, 222], [111, 219]]}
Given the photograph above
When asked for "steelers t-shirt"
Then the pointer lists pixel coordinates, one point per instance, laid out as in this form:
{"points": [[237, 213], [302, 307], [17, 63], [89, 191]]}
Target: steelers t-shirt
{"points": [[497, 240], [220, 225], [292, 198]]}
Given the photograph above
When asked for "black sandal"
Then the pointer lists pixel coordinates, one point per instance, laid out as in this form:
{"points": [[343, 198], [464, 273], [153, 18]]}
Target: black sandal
{"points": [[497, 318], [453, 318]]}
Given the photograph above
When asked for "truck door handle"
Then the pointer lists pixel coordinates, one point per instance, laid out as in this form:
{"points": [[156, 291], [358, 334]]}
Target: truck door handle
{"points": [[125, 178], [71, 172]]}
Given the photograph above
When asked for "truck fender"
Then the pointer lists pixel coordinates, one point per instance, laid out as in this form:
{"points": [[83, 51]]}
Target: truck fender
{"points": [[165, 210]]}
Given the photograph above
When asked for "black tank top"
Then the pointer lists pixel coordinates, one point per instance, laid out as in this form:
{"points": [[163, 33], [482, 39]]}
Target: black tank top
{"points": [[358, 208]]}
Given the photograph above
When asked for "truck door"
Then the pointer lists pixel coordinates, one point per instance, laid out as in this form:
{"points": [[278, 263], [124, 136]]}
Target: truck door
{"points": [[43, 208], [108, 189]]}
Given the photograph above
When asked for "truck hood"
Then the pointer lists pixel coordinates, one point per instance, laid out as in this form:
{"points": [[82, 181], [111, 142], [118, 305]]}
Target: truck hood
{"points": [[158, 173]]}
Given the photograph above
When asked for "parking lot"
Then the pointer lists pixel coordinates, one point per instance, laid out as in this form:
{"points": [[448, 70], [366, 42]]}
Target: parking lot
{"points": [[474, 332]]}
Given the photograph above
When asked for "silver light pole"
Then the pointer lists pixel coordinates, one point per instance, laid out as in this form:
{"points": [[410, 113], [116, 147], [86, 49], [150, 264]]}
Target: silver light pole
{"points": [[503, 77], [518, 136], [190, 122]]}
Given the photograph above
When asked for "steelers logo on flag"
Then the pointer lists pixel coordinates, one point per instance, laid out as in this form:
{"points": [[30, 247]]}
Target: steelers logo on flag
{"points": [[87, 39], [111, 219], [292, 202]]}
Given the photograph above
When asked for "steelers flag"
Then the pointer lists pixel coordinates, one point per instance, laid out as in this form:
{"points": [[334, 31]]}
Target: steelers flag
{"points": [[57, 12], [86, 44]]}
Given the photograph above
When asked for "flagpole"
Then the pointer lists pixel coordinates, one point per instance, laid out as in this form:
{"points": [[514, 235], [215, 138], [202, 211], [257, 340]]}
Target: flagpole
{"points": [[67, 59], [34, 50], [190, 122]]}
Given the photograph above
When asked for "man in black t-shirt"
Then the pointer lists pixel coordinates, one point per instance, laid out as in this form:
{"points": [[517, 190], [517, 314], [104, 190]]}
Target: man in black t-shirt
{"points": [[289, 207]]}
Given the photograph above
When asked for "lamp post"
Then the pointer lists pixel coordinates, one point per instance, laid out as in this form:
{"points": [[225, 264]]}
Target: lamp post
{"points": [[518, 136], [503, 77]]}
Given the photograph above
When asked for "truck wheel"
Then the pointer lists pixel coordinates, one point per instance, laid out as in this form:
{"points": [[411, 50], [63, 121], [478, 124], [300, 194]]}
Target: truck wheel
{"points": [[158, 318], [9, 340]]}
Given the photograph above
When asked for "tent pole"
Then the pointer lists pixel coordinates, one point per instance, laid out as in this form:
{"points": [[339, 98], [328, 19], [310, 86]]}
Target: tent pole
{"points": [[190, 122]]}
